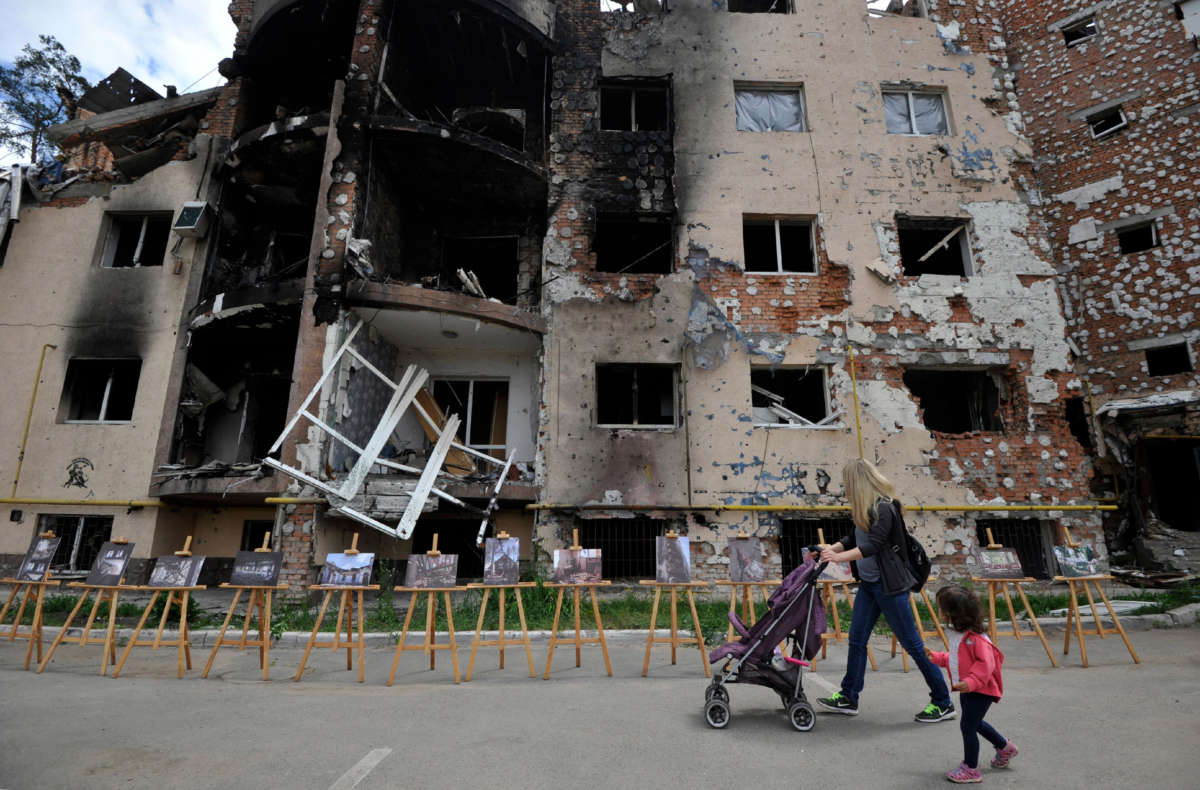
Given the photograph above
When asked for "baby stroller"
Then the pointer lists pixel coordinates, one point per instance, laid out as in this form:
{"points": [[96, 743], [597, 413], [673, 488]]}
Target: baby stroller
{"points": [[794, 609]]}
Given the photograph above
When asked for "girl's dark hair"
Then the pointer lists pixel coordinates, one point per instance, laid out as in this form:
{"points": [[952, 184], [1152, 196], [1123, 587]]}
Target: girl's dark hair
{"points": [[962, 607]]}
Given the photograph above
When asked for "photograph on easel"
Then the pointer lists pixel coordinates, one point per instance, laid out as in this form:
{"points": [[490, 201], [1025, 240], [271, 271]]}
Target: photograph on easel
{"points": [[425, 571], [110, 564], [1077, 562], [256, 568], [172, 571], [837, 572], [347, 570], [745, 560], [1000, 564], [37, 559], [577, 566], [672, 560], [502, 561]]}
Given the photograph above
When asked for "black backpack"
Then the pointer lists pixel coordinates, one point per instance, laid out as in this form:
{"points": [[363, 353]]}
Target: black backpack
{"points": [[918, 560]]}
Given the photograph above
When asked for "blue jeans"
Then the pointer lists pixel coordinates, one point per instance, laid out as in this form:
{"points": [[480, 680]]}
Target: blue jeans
{"points": [[868, 605]]}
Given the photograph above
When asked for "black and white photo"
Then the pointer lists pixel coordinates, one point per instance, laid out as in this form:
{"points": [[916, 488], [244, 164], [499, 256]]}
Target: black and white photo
{"points": [[110, 564], [36, 563], [173, 571], [672, 560], [256, 568]]}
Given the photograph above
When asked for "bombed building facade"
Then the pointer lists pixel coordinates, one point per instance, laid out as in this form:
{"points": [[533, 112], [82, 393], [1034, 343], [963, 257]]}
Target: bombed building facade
{"points": [[620, 269]]}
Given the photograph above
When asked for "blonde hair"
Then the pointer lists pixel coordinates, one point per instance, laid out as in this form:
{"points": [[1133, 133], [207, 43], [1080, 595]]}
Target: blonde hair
{"points": [[864, 487]]}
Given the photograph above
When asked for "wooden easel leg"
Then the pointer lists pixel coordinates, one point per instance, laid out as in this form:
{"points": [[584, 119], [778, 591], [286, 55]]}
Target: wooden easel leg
{"points": [[1079, 624], [12, 635], [903, 653], [992, 611], [501, 625], [35, 631], [101, 596], [554, 632], [578, 628], [1117, 622], [650, 636], [132, 639], [256, 603], [1037, 627], [313, 637], [237, 594], [1101, 631], [183, 649], [362, 641], [831, 604], [600, 630], [453, 640], [111, 634], [674, 623], [431, 631], [62, 633], [341, 615], [1070, 618], [348, 602], [412, 605], [525, 631], [732, 609], [246, 621], [162, 623], [748, 604], [11, 595], [937, 619], [266, 636], [699, 634], [478, 633]]}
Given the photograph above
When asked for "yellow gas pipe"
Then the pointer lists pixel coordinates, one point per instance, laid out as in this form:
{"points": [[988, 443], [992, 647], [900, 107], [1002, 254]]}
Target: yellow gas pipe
{"points": [[29, 415]]}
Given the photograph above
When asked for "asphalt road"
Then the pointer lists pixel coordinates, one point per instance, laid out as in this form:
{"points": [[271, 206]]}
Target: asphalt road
{"points": [[1111, 725]]}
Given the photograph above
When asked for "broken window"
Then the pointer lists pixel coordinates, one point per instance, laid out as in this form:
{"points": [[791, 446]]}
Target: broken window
{"points": [[1078, 422], [769, 109], [136, 240], [81, 537], [640, 6], [791, 396], [626, 544], [100, 390], [779, 245], [1029, 537], [253, 532], [761, 6], [956, 401], [455, 536], [482, 407], [642, 396], [634, 244], [490, 262], [1168, 360], [915, 112], [1080, 31], [634, 107], [1107, 121], [1188, 11], [1138, 238], [1172, 469], [933, 246]]}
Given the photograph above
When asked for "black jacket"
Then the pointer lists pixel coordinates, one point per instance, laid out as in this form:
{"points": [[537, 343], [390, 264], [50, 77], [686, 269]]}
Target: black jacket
{"points": [[887, 544]]}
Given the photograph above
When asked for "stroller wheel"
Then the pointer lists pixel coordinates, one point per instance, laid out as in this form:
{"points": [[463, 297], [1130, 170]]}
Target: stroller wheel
{"points": [[716, 692], [716, 713], [801, 714]]}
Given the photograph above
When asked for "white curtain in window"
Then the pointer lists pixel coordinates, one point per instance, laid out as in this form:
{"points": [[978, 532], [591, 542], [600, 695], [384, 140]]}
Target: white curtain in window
{"points": [[895, 109], [930, 113], [769, 111]]}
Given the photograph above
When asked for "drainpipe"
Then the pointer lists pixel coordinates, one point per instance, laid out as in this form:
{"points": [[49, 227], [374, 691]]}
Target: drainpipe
{"points": [[29, 416], [854, 389]]}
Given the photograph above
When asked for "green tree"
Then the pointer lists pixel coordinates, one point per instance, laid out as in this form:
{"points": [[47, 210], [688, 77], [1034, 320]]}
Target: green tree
{"points": [[38, 90]]}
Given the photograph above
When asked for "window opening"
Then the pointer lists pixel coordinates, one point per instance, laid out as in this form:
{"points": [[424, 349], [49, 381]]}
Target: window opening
{"points": [[253, 531], [956, 401], [1027, 536], [494, 260], [1138, 238], [1080, 31], [136, 240], [1168, 360], [791, 396], [627, 107], [796, 535], [628, 244], [915, 112], [1078, 422], [455, 536], [640, 396], [639, 6], [1106, 122], [626, 545], [880, 8], [82, 537], [761, 109], [1172, 467], [776, 245], [761, 7], [933, 246], [482, 405], [100, 390]]}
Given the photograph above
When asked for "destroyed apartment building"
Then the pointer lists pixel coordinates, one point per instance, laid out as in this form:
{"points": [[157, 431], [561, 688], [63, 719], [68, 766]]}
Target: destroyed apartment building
{"points": [[478, 265]]}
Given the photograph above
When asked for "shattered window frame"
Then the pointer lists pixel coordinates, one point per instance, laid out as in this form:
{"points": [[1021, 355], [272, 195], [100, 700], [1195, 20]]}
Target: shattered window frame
{"points": [[1170, 359], [1097, 120], [829, 421], [115, 225], [755, 220], [1125, 237], [635, 368], [957, 231], [911, 95], [630, 6], [660, 87], [771, 88], [469, 408], [67, 559], [78, 386], [776, 7], [1077, 32]]}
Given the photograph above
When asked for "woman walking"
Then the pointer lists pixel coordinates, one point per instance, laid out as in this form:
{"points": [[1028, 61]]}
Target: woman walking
{"points": [[877, 552]]}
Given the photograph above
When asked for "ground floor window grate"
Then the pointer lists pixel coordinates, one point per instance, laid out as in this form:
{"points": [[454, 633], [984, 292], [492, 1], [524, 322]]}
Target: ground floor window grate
{"points": [[795, 535], [1028, 536], [626, 545], [81, 536]]}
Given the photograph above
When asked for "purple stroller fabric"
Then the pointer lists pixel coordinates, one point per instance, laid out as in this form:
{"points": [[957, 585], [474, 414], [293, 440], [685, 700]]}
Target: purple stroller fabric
{"points": [[799, 587]]}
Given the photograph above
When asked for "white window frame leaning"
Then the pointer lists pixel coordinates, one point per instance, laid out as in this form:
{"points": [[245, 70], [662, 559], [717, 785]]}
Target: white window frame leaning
{"points": [[107, 390], [830, 422], [1124, 122], [1081, 24], [470, 407], [912, 113], [812, 246]]}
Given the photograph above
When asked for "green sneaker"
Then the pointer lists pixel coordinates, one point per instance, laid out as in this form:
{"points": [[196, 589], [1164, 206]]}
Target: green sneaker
{"points": [[934, 713], [839, 703]]}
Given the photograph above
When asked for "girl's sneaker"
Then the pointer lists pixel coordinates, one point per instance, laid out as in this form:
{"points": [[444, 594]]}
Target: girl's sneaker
{"points": [[1004, 755], [963, 775]]}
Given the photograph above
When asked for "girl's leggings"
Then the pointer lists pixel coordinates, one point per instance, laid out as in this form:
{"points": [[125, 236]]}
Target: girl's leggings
{"points": [[974, 707]]}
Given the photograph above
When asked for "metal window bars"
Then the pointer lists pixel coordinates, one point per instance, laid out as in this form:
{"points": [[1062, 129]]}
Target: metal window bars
{"points": [[404, 396]]}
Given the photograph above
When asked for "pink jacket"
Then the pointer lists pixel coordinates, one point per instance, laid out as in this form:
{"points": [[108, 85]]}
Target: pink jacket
{"points": [[979, 663]]}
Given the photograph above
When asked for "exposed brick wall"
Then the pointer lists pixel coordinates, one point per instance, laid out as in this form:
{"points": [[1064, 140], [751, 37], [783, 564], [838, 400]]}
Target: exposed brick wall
{"points": [[296, 542]]}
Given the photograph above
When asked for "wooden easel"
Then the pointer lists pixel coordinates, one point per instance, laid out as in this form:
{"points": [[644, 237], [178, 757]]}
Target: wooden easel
{"points": [[349, 596], [182, 642], [35, 630], [1001, 586], [500, 641], [1073, 615], [674, 640], [260, 601], [829, 596], [108, 593], [743, 591], [922, 631], [430, 646], [579, 639]]}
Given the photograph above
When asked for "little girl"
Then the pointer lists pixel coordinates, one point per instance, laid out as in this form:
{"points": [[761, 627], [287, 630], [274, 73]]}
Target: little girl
{"points": [[974, 662]]}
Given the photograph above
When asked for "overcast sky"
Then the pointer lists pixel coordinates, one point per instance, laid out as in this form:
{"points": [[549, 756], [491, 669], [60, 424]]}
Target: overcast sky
{"points": [[161, 42]]}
